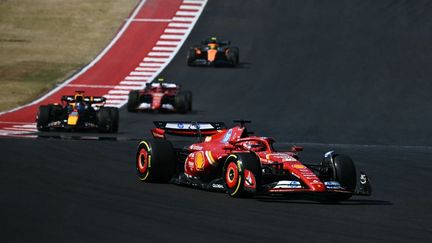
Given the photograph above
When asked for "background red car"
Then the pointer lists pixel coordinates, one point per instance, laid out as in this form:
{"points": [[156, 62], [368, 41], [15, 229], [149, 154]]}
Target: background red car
{"points": [[159, 95]]}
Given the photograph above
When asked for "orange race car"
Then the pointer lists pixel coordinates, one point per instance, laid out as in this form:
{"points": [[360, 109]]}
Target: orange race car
{"points": [[212, 52]]}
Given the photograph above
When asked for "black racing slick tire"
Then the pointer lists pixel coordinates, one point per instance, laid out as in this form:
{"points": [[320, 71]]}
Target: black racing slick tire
{"points": [[189, 100], [233, 56], [114, 114], [345, 172], [43, 117], [181, 102], [155, 161], [104, 120], [242, 174], [133, 100], [191, 57]]}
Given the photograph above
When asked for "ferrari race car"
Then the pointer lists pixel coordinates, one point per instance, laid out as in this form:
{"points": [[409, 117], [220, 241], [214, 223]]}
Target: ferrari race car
{"points": [[213, 52], [232, 161], [78, 112], [158, 95]]}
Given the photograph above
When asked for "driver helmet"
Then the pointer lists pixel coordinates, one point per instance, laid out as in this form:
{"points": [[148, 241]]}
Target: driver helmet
{"points": [[212, 44], [254, 146], [80, 106]]}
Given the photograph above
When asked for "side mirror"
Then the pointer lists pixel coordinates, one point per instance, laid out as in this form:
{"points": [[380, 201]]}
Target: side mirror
{"points": [[296, 148]]}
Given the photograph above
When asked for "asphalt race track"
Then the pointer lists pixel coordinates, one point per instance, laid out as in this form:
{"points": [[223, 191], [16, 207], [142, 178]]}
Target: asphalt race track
{"points": [[353, 76]]}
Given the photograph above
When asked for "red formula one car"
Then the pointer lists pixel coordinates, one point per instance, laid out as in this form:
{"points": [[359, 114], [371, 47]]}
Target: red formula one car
{"points": [[232, 161], [212, 52], [158, 95]]}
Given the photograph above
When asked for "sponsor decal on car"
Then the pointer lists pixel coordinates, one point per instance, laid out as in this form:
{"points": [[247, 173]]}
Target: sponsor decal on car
{"points": [[280, 157], [180, 125], [227, 136], [219, 186], [332, 185], [287, 184], [199, 160], [195, 147], [298, 166]]}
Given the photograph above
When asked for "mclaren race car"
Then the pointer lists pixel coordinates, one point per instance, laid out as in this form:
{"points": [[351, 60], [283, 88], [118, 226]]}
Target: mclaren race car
{"points": [[213, 52], [232, 161], [162, 96], [78, 112]]}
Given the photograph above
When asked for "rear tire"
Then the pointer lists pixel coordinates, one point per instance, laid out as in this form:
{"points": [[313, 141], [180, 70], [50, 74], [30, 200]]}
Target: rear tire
{"points": [[233, 56], [155, 161], [181, 102], [114, 113], [191, 57], [242, 174], [189, 100], [133, 100], [43, 117], [104, 120]]}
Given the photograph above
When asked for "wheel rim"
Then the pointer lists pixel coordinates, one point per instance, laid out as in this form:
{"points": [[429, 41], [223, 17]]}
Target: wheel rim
{"points": [[231, 175], [142, 161]]}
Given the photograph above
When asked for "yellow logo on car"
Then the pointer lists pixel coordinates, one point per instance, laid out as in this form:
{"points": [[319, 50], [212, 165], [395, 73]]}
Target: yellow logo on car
{"points": [[199, 160]]}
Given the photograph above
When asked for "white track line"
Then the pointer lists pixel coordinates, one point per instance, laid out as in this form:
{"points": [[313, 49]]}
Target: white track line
{"points": [[139, 83], [114, 91], [183, 19], [160, 54], [163, 48], [193, 1], [190, 7], [127, 87], [140, 73], [171, 37], [20, 129], [25, 126], [168, 43], [138, 69], [181, 31], [135, 78], [186, 13], [172, 24], [156, 59], [150, 65], [116, 97]]}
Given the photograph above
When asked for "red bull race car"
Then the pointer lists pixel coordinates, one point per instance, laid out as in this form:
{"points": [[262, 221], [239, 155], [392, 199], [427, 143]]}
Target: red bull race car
{"points": [[78, 112], [232, 161], [212, 52], [160, 96]]}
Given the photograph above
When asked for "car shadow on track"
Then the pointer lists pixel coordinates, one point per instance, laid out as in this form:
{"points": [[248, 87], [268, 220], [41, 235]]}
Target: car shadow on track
{"points": [[350, 202]]}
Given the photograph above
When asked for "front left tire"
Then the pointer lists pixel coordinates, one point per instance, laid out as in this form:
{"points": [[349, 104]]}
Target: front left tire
{"points": [[242, 174]]}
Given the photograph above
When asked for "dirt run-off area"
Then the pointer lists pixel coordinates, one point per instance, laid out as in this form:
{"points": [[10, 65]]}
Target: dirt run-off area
{"points": [[43, 42]]}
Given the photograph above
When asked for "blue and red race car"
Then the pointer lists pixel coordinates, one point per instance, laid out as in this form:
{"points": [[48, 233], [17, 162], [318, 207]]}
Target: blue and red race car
{"points": [[232, 161]]}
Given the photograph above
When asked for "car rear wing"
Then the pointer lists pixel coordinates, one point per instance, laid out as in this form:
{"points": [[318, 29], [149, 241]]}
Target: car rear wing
{"points": [[186, 128], [87, 99]]}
